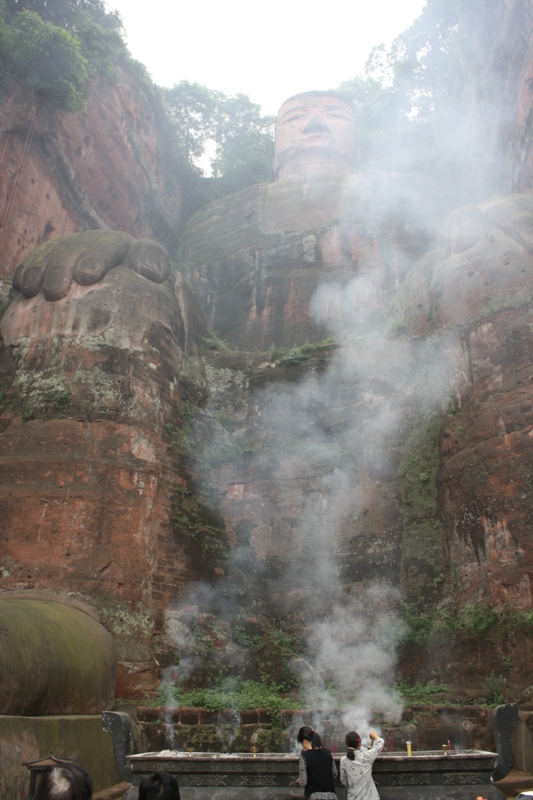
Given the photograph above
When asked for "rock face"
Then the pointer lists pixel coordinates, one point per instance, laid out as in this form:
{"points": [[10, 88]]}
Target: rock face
{"points": [[95, 386], [101, 380], [486, 446], [313, 487], [320, 459], [477, 305], [440, 506], [517, 91], [307, 465], [323, 466], [256, 258], [114, 166]]}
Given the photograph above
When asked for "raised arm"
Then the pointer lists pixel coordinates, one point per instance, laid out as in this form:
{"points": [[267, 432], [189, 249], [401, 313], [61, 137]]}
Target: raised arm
{"points": [[377, 746]]}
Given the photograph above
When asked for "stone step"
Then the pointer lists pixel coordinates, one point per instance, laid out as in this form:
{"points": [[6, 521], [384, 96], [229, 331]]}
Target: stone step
{"points": [[113, 792], [515, 782]]}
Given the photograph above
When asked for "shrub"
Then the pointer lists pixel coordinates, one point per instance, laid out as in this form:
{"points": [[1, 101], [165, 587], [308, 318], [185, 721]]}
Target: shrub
{"points": [[44, 58]]}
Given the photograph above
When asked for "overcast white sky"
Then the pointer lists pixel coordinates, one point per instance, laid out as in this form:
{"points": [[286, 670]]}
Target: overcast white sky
{"points": [[268, 50]]}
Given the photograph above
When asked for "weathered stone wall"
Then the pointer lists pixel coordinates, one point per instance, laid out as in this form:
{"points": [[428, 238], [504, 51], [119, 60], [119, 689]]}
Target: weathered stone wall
{"points": [[516, 111], [93, 387], [113, 166], [475, 307], [481, 299], [75, 736], [428, 727], [256, 258]]}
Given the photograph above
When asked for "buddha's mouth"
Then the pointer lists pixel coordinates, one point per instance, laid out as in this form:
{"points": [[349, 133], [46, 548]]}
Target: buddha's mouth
{"points": [[318, 137]]}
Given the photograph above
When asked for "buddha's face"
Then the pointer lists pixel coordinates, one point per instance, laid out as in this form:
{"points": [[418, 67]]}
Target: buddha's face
{"points": [[315, 134]]}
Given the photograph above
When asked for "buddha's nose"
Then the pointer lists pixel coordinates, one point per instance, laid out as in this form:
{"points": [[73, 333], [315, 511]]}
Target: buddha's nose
{"points": [[316, 125]]}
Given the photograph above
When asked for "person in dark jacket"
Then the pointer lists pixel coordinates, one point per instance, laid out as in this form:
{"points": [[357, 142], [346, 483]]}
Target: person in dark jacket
{"points": [[317, 768]]}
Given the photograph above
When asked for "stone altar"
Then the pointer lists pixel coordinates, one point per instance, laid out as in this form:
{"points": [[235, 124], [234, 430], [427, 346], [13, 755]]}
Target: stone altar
{"points": [[208, 776]]}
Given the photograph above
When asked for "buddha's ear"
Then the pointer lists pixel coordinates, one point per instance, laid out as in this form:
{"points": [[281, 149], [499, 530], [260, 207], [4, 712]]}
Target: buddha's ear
{"points": [[512, 214], [465, 227], [356, 157]]}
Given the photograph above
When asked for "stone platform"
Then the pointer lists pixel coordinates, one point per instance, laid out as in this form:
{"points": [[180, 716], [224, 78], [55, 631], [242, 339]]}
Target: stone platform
{"points": [[429, 775]]}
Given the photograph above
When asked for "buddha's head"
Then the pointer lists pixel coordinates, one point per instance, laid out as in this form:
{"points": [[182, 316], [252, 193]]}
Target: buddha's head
{"points": [[315, 134]]}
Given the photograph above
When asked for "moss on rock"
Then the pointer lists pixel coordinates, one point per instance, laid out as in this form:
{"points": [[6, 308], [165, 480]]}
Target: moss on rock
{"points": [[422, 558], [53, 659]]}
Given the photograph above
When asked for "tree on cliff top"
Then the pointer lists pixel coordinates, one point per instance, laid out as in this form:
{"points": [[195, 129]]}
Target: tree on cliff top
{"points": [[244, 141], [243, 138], [433, 101], [191, 107], [68, 13]]}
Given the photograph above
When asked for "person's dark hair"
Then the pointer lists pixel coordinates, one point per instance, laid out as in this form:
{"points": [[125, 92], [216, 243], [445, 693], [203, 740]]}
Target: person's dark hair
{"points": [[352, 740], [159, 786], [68, 782], [309, 735]]}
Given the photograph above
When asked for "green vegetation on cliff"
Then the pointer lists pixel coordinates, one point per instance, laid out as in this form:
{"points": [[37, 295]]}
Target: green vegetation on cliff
{"points": [[297, 354], [474, 620], [421, 544], [488, 638], [234, 693], [53, 48], [201, 525], [426, 104], [67, 13], [244, 139]]}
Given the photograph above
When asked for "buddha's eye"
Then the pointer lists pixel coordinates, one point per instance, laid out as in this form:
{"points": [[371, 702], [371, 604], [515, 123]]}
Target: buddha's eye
{"points": [[293, 118]]}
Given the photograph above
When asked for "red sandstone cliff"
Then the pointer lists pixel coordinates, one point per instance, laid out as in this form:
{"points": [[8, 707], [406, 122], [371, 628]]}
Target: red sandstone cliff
{"points": [[109, 167], [96, 386], [514, 104], [114, 166]]}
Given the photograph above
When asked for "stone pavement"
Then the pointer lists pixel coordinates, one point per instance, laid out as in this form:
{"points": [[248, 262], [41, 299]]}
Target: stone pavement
{"points": [[515, 782]]}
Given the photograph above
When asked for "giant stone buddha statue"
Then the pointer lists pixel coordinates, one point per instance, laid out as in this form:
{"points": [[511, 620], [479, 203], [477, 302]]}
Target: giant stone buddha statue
{"points": [[255, 258], [99, 327]]}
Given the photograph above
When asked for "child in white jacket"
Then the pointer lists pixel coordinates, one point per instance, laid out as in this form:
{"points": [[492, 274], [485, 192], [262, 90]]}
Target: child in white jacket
{"points": [[356, 767]]}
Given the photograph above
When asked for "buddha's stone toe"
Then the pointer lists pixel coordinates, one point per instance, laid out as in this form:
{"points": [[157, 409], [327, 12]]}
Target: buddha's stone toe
{"points": [[32, 279], [149, 259], [108, 251]]}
